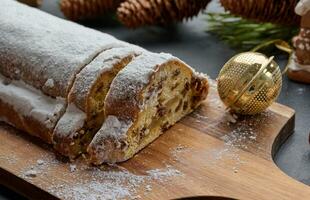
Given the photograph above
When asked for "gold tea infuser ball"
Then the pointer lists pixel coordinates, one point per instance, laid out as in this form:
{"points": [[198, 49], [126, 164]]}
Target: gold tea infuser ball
{"points": [[249, 83]]}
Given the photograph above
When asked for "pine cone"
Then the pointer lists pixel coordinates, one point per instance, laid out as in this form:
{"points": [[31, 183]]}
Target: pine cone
{"points": [[34, 3], [87, 9], [274, 11], [135, 13]]}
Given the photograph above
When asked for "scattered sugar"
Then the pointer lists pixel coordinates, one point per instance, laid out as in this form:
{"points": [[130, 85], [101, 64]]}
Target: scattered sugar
{"points": [[243, 136], [96, 190], [160, 174], [11, 159], [39, 167], [118, 183], [177, 151]]}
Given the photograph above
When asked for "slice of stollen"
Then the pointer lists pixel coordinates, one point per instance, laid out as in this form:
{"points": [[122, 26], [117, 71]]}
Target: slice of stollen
{"points": [[148, 96], [85, 113]]}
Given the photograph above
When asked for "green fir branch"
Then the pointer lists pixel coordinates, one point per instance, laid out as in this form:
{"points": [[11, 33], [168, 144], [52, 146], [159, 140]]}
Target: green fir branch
{"points": [[243, 34]]}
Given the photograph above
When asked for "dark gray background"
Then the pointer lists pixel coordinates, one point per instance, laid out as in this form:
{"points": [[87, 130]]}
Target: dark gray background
{"points": [[206, 53]]}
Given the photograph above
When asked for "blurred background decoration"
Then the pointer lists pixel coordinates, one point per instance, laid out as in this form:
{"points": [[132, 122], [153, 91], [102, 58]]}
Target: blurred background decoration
{"points": [[247, 24], [33, 3], [274, 11], [244, 25], [77, 10], [245, 34], [134, 13]]}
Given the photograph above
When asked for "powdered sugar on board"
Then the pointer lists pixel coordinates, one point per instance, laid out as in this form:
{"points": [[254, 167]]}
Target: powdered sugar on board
{"points": [[109, 182], [244, 135], [118, 184], [79, 180]]}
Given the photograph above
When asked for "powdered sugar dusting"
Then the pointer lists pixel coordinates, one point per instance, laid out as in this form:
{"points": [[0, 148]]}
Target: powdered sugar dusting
{"points": [[179, 150], [103, 63], [50, 50], [39, 167], [112, 184], [70, 122], [113, 128], [160, 174], [243, 136], [135, 76], [29, 101], [11, 159]]}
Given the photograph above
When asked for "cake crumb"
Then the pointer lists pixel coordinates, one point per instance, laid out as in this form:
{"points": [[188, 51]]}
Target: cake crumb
{"points": [[31, 173], [148, 188], [136, 197], [231, 118], [72, 168], [40, 162]]}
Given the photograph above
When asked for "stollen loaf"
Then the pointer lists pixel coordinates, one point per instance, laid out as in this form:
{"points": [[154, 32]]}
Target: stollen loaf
{"points": [[45, 53], [86, 92]]}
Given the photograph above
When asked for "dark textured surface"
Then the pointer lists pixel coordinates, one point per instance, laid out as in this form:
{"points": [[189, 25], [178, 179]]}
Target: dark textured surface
{"points": [[204, 52]]}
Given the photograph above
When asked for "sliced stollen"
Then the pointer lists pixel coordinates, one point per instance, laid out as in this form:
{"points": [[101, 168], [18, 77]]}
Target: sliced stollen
{"points": [[44, 53], [85, 113], [149, 95]]}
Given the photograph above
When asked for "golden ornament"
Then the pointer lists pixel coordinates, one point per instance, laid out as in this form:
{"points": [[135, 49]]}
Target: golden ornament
{"points": [[249, 83]]}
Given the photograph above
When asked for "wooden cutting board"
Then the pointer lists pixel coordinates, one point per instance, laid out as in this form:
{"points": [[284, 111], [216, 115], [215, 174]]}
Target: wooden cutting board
{"points": [[203, 155]]}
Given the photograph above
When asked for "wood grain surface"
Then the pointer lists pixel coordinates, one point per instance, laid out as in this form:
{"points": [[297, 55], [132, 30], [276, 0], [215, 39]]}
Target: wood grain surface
{"points": [[202, 155]]}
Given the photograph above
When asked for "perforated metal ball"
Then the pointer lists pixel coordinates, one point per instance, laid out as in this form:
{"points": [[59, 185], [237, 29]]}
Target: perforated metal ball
{"points": [[249, 83]]}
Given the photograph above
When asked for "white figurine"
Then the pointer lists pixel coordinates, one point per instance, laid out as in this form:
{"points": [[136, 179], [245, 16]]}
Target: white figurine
{"points": [[299, 69]]}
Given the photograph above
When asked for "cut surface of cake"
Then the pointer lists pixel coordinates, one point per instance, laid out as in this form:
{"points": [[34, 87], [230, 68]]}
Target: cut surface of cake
{"points": [[85, 113], [148, 96]]}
